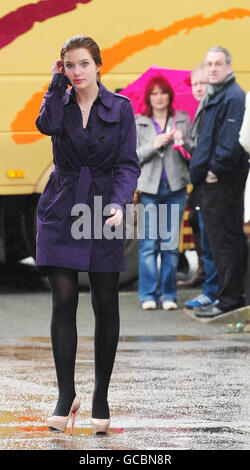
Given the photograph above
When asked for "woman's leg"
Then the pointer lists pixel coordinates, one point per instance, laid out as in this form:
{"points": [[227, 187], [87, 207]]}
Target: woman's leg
{"points": [[104, 294], [170, 257], [149, 249], [64, 286]]}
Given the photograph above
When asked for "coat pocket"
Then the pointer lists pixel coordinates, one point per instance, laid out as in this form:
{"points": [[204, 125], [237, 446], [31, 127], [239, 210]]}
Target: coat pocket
{"points": [[56, 200]]}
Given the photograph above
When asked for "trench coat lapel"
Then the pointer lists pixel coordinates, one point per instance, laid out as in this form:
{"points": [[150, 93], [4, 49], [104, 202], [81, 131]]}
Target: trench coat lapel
{"points": [[105, 110], [107, 116]]}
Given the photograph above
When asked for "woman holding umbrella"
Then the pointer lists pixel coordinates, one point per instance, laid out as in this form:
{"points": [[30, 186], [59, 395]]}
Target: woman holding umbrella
{"points": [[163, 180]]}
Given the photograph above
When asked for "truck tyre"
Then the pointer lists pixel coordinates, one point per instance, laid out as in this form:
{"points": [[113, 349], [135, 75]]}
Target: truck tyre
{"points": [[126, 277]]}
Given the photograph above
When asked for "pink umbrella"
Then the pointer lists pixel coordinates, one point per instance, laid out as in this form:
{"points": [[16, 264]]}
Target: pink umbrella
{"points": [[178, 79]]}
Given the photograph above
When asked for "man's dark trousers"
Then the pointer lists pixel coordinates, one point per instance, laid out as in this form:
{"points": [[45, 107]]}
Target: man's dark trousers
{"points": [[221, 207]]}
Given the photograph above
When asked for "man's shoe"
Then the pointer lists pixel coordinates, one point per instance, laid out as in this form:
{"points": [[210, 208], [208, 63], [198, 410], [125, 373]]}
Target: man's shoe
{"points": [[200, 301], [209, 312]]}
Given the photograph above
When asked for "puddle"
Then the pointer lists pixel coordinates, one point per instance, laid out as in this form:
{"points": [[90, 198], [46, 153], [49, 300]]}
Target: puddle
{"points": [[178, 392], [158, 338]]}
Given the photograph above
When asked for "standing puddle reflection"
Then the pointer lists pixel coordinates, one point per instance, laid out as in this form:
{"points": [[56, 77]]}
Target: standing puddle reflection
{"points": [[158, 338]]}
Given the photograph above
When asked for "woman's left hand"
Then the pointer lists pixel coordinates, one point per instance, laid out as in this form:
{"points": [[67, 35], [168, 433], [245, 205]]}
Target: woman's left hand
{"points": [[115, 218], [58, 67]]}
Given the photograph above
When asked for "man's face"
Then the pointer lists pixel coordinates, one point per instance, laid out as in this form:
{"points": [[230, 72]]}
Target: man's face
{"points": [[199, 84], [216, 67]]}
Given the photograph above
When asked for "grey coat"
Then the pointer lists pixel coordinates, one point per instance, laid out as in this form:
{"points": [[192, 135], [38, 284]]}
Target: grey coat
{"points": [[152, 161]]}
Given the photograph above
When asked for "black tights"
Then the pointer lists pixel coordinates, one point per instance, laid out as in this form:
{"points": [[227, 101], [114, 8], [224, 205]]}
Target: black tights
{"points": [[104, 296]]}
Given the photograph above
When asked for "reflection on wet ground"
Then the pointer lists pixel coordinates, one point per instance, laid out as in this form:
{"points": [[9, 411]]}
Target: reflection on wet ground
{"points": [[165, 393]]}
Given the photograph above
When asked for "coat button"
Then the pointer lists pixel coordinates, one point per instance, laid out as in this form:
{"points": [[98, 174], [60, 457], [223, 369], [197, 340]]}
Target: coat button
{"points": [[59, 216], [102, 138]]}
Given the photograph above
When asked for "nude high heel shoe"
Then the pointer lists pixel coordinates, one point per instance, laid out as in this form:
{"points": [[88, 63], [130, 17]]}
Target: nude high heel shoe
{"points": [[59, 423], [100, 426]]}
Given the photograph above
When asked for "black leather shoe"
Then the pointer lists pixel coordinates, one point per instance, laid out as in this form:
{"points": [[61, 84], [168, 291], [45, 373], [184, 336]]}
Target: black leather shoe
{"points": [[209, 312]]}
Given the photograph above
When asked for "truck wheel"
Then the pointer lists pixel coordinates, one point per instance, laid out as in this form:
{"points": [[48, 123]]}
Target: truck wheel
{"points": [[126, 277], [131, 255], [30, 224]]}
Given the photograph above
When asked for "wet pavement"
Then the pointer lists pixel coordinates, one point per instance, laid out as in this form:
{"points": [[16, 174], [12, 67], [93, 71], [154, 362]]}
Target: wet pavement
{"points": [[178, 383]]}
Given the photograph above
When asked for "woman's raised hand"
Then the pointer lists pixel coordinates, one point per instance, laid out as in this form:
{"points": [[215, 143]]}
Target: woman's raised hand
{"points": [[57, 67], [162, 139]]}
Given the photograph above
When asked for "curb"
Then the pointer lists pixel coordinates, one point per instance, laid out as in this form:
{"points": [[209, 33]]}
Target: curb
{"points": [[240, 315]]}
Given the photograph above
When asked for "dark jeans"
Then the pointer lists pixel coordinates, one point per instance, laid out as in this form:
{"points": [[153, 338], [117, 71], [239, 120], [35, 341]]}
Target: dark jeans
{"points": [[210, 286], [221, 207]]}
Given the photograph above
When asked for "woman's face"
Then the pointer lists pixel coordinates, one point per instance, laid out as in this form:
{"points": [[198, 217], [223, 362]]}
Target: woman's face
{"points": [[80, 68], [159, 99]]}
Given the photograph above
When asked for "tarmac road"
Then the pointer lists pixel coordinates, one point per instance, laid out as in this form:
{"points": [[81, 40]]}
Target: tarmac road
{"points": [[178, 383]]}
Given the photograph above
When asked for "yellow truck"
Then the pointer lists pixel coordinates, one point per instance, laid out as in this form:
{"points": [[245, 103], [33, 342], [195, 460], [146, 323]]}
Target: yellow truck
{"points": [[133, 35]]}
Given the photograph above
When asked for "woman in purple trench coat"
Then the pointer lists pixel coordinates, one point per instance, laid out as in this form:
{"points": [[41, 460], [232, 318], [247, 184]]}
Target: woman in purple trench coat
{"points": [[95, 165]]}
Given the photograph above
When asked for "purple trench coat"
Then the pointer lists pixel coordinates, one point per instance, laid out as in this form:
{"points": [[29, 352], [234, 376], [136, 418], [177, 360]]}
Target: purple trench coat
{"points": [[100, 160]]}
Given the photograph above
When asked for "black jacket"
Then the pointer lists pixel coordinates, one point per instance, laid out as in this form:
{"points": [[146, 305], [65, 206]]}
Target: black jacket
{"points": [[218, 147]]}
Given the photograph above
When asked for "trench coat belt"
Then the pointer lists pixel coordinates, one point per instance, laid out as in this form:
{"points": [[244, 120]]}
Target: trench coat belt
{"points": [[84, 177]]}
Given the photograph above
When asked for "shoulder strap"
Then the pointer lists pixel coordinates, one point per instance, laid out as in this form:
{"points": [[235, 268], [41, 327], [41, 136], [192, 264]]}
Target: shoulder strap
{"points": [[173, 121], [174, 124]]}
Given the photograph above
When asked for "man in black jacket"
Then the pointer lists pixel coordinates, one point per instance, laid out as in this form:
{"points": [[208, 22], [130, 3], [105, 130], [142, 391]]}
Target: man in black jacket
{"points": [[219, 166]]}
